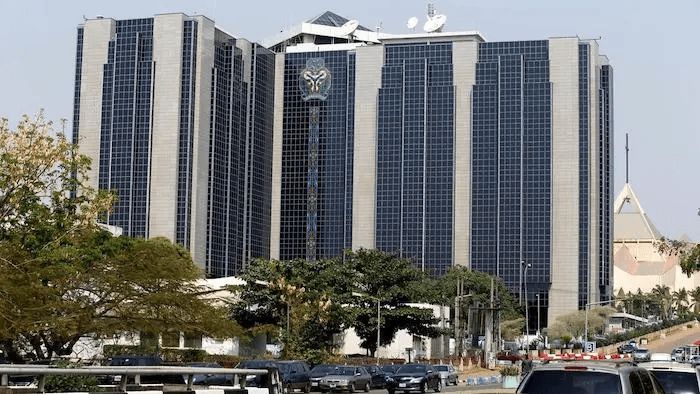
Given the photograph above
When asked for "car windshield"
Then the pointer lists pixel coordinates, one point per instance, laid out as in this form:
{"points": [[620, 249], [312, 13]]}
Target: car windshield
{"points": [[642, 351], [344, 371], [442, 368], [323, 369], [579, 382], [677, 382], [390, 368], [411, 369]]}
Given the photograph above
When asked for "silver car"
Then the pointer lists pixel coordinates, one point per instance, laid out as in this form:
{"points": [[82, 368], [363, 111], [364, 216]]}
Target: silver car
{"points": [[593, 377], [346, 378], [448, 374], [675, 377]]}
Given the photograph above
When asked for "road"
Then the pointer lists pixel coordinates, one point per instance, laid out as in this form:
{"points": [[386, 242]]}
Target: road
{"points": [[667, 344], [449, 389]]}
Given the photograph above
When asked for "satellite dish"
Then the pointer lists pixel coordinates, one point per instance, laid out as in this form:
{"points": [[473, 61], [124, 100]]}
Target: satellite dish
{"points": [[349, 27], [412, 22], [435, 23]]}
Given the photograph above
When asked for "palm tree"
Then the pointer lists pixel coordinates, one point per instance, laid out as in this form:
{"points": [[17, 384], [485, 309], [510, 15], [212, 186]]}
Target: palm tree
{"points": [[695, 299], [663, 295], [680, 301]]}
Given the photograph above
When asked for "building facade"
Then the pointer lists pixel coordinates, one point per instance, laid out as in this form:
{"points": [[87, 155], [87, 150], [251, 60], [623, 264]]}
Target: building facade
{"points": [[176, 115], [438, 147]]}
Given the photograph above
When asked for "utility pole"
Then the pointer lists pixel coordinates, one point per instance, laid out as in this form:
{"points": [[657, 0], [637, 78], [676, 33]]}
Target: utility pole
{"points": [[488, 331], [458, 350]]}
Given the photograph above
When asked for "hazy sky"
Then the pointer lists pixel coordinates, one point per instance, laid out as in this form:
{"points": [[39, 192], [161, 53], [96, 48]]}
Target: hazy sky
{"points": [[652, 45]]}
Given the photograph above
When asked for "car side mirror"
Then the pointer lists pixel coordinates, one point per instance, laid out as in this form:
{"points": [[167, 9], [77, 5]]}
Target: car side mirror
{"points": [[357, 374], [430, 371]]}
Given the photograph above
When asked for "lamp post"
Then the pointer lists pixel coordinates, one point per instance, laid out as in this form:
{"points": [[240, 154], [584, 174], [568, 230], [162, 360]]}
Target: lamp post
{"points": [[538, 313], [527, 307], [379, 315], [585, 330]]}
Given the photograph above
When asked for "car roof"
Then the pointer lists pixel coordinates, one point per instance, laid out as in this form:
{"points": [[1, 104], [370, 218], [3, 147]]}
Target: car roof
{"points": [[669, 366], [595, 366]]}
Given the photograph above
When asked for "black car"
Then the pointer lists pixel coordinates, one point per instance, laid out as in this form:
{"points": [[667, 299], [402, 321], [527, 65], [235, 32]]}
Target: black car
{"points": [[415, 378], [210, 379], [294, 374], [378, 376], [143, 361], [390, 370], [626, 349]]}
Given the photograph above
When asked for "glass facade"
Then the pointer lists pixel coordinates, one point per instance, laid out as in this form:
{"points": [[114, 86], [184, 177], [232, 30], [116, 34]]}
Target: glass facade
{"points": [[126, 124], [511, 166], [186, 137], [584, 175], [415, 144], [605, 170], [332, 222]]}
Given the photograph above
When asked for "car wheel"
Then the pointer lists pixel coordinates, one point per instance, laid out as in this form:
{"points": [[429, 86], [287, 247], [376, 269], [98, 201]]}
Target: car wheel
{"points": [[424, 387], [307, 388], [367, 388], [390, 391], [352, 388], [438, 388]]}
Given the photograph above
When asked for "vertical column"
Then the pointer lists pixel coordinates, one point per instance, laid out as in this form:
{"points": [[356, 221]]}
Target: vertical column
{"points": [[369, 62], [464, 58], [563, 60], [167, 52], [593, 175], [277, 158], [96, 36], [312, 185], [201, 131]]}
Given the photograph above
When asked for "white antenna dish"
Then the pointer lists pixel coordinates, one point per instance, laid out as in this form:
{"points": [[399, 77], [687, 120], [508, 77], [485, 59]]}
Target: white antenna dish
{"points": [[435, 23], [412, 22], [349, 27]]}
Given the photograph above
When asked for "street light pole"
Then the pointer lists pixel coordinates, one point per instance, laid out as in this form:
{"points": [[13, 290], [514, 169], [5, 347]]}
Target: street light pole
{"points": [[538, 313], [527, 307]]}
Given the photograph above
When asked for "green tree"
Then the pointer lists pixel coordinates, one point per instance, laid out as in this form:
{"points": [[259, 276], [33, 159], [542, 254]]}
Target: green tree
{"points": [[664, 299], [313, 292], [396, 283], [680, 301], [62, 277], [695, 299], [688, 253], [573, 324]]}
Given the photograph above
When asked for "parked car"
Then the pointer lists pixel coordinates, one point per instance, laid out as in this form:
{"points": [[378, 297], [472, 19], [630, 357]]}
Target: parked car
{"points": [[294, 374], [209, 379], [346, 378], [143, 361], [589, 378], [416, 378], [319, 372], [677, 354], [694, 360], [390, 370], [378, 376], [448, 374], [675, 377], [641, 355]]}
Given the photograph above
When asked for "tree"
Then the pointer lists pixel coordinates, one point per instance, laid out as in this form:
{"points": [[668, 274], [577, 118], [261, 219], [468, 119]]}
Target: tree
{"points": [[688, 253], [680, 301], [313, 292], [395, 282], [573, 324], [663, 296], [695, 299], [511, 329], [62, 277]]}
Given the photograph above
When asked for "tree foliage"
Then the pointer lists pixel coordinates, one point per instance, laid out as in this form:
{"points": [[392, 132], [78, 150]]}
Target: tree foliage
{"points": [[62, 276], [688, 253], [572, 325]]}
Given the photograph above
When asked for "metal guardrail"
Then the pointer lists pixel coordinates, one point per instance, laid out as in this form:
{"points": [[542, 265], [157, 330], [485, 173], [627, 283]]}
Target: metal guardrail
{"points": [[273, 383]]}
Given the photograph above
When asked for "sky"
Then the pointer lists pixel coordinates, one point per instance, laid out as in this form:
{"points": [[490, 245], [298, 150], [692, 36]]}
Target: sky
{"points": [[652, 46]]}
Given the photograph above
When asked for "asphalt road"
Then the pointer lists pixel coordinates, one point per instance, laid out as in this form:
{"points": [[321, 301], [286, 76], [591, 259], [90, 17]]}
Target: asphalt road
{"points": [[667, 344], [449, 389]]}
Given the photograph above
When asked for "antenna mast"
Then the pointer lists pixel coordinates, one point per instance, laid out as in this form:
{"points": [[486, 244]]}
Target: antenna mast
{"points": [[627, 158]]}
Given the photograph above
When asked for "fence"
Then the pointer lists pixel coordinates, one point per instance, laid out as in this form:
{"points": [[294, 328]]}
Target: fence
{"points": [[272, 382]]}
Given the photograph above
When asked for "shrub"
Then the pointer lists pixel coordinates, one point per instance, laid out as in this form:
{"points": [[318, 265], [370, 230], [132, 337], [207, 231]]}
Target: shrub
{"points": [[70, 383], [510, 370]]}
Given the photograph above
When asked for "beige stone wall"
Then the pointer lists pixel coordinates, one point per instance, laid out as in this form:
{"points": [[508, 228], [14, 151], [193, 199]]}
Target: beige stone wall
{"points": [[465, 56], [368, 67], [167, 51], [563, 66], [276, 199], [96, 36]]}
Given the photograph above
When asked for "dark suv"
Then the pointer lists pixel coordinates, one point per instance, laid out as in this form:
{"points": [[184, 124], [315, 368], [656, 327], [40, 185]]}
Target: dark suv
{"points": [[415, 378], [294, 374], [143, 361], [595, 377]]}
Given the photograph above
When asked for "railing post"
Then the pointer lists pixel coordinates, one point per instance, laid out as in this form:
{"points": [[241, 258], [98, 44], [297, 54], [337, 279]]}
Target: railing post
{"points": [[137, 380], [122, 384], [42, 383], [190, 378], [236, 380], [4, 380]]}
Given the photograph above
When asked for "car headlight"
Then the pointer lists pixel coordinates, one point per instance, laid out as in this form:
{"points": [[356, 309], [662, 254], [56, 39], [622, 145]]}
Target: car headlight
{"points": [[416, 380], [388, 378], [343, 381]]}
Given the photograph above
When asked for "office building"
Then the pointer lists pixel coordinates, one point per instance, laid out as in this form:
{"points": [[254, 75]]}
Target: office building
{"points": [[176, 115], [440, 147]]}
